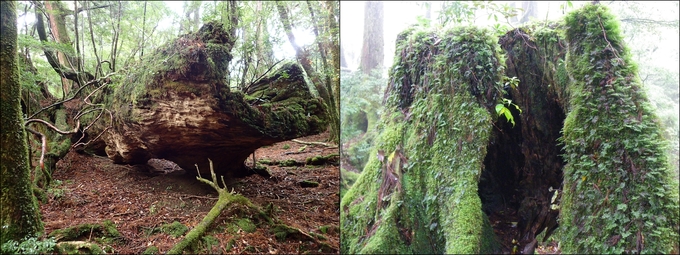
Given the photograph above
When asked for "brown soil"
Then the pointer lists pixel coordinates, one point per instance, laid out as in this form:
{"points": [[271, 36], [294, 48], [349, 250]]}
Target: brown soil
{"points": [[93, 189]]}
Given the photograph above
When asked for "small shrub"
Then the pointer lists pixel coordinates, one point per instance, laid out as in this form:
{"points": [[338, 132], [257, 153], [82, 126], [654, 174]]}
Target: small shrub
{"points": [[29, 246]]}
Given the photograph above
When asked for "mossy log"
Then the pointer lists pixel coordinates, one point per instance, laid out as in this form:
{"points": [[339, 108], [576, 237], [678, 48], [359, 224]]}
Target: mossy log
{"points": [[444, 158], [177, 105], [225, 199]]}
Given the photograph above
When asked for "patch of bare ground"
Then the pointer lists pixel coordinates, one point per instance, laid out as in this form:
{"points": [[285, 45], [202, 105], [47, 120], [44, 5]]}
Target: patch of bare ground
{"points": [[91, 189]]}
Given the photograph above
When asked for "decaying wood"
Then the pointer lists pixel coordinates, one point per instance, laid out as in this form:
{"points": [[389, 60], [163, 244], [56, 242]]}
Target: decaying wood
{"points": [[315, 143], [176, 106]]}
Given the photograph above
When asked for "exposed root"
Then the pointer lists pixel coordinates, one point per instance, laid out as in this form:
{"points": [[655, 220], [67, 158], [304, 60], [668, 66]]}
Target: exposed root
{"points": [[225, 198]]}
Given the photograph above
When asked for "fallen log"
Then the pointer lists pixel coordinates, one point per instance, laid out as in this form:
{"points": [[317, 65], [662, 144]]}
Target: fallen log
{"points": [[176, 105]]}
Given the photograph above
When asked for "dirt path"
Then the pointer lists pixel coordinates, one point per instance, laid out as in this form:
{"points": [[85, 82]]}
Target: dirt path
{"points": [[92, 189]]}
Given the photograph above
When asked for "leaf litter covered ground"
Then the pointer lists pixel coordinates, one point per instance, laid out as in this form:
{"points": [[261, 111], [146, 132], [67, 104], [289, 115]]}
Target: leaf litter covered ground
{"points": [[91, 189]]}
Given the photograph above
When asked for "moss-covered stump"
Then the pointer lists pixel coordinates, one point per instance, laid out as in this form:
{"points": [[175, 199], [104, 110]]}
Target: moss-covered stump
{"points": [[418, 191], [176, 105], [523, 163], [444, 161], [619, 194]]}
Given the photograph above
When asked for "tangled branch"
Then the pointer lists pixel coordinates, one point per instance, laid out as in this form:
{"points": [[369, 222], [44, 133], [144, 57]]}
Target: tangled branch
{"points": [[43, 138]]}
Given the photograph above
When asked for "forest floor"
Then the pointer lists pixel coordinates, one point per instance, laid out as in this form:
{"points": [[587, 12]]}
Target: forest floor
{"points": [[91, 189], [504, 223]]}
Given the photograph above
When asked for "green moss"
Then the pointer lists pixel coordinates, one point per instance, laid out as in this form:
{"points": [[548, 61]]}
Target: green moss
{"points": [[151, 250], [281, 231], [288, 162], [107, 229], [620, 131], [347, 179], [205, 244], [174, 229], [440, 122], [309, 184], [323, 229], [266, 162], [246, 225]]}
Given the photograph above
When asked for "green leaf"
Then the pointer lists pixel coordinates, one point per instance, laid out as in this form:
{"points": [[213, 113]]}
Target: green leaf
{"points": [[499, 107], [508, 116], [622, 207]]}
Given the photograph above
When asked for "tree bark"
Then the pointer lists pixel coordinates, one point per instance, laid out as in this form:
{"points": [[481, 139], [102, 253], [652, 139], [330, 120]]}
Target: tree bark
{"points": [[57, 13], [530, 11], [18, 208], [372, 53]]}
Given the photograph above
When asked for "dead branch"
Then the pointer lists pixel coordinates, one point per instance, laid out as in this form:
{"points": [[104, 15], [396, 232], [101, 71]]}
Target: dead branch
{"points": [[43, 150], [315, 143], [53, 127], [246, 90], [74, 94]]}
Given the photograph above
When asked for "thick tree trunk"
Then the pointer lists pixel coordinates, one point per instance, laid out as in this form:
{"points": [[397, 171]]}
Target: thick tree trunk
{"points": [[586, 129], [19, 214], [176, 106], [57, 13], [418, 191], [372, 55]]}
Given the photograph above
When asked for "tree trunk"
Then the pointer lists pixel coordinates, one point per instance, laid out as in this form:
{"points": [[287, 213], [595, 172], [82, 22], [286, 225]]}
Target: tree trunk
{"points": [[57, 13], [530, 11], [445, 162], [343, 62], [182, 110], [371, 64], [18, 208], [372, 54]]}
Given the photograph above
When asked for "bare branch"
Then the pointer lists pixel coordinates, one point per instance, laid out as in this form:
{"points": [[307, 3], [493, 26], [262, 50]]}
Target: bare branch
{"points": [[642, 21], [43, 151], [80, 9], [105, 79], [54, 127], [259, 78]]}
